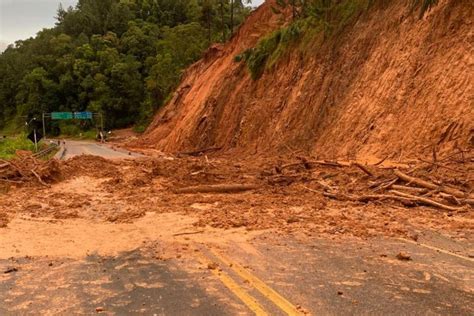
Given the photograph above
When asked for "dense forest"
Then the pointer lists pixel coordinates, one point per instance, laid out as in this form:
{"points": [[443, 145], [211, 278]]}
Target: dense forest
{"points": [[121, 58]]}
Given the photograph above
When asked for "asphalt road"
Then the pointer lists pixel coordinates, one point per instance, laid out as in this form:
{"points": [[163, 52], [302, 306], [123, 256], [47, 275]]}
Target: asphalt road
{"points": [[271, 276], [74, 148]]}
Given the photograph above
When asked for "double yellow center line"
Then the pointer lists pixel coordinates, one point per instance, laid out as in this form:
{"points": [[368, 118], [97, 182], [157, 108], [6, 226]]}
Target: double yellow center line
{"points": [[252, 303]]}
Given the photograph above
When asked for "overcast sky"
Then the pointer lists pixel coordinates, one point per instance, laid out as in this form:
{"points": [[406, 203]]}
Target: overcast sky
{"points": [[21, 19]]}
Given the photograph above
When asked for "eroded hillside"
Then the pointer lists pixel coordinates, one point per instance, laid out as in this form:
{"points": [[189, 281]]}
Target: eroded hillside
{"points": [[392, 84]]}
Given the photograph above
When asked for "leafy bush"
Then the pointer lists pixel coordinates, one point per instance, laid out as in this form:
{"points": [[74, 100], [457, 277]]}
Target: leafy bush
{"points": [[9, 146], [70, 129], [269, 50]]}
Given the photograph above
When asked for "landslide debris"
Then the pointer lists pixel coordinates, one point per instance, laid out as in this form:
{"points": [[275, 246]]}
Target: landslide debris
{"points": [[29, 170], [289, 194], [390, 84]]}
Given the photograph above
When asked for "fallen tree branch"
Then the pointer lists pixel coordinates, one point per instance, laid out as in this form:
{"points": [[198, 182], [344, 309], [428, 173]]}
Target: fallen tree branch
{"points": [[381, 161], [364, 168], [311, 190], [431, 186], [218, 188], [411, 189], [189, 233], [439, 165], [200, 152], [385, 185], [39, 178], [460, 200], [425, 201], [315, 162], [365, 198]]}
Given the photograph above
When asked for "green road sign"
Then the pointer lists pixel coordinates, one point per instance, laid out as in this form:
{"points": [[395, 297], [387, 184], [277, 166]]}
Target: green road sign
{"points": [[83, 115], [62, 116]]}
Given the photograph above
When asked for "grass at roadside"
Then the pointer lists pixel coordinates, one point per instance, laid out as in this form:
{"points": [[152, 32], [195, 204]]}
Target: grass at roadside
{"points": [[87, 135], [9, 146]]}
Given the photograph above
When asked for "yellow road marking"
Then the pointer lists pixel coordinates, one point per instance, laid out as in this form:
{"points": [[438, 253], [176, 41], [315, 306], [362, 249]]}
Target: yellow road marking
{"points": [[238, 291], [267, 291], [437, 249]]}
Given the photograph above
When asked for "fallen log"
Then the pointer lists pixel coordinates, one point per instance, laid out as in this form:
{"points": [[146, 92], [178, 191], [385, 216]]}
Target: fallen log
{"points": [[425, 201], [432, 186], [218, 188]]}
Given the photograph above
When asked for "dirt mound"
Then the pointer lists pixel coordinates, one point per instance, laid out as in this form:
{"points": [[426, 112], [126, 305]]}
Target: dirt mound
{"points": [[88, 165], [391, 85]]}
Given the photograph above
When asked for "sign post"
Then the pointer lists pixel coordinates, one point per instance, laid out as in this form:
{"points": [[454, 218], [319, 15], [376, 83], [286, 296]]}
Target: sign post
{"points": [[63, 116], [36, 140], [34, 136], [44, 128]]}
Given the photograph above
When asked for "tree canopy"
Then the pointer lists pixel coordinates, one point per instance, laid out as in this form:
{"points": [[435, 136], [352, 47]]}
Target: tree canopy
{"points": [[118, 57]]}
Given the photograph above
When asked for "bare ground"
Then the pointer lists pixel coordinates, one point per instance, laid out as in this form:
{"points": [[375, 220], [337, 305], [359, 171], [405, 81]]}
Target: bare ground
{"points": [[90, 234]]}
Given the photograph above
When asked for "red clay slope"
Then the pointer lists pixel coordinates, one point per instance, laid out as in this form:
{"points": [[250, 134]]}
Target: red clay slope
{"points": [[392, 85]]}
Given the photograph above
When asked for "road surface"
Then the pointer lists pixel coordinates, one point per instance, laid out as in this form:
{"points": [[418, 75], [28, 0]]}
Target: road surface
{"points": [[59, 257], [270, 276], [74, 148]]}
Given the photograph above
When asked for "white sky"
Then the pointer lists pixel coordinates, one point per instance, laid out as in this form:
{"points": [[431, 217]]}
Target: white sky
{"points": [[21, 19]]}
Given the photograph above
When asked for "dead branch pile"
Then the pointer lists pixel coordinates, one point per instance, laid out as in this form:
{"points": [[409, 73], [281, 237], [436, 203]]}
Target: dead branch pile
{"points": [[29, 170], [442, 184]]}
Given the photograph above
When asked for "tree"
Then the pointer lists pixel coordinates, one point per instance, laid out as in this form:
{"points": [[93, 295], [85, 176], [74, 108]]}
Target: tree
{"points": [[122, 57]]}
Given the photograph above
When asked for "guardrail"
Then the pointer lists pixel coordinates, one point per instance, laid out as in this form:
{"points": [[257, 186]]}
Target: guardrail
{"points": [[46, 151]]}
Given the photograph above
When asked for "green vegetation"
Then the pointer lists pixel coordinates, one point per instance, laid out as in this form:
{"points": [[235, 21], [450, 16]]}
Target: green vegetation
{"points": [[425, 5], [9, 146], [269, 50], [122, 58]]}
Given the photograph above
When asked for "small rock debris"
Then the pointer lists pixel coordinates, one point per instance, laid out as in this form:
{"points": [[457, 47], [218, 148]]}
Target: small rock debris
{"points": [[403, 256]]}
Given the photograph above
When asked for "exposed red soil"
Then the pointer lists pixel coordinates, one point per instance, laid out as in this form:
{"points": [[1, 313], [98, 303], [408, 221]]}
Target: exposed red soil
{"points": [[391, 85], [289, 197], [369, 96]]}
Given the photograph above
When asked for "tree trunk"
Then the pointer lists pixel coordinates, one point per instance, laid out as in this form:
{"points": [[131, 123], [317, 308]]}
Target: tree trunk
{"points": [[223, 22], [231, 17]]}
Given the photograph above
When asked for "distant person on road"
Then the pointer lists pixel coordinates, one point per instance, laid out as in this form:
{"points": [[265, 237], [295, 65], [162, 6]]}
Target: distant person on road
{"points": [[102, 136]]}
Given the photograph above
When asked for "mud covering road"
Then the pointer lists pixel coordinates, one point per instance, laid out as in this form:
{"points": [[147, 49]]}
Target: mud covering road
{"points": [[115, 237]]}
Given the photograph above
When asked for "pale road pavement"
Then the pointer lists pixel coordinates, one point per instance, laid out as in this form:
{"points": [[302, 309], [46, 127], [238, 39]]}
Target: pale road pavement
{"points": [[76, 148]]}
